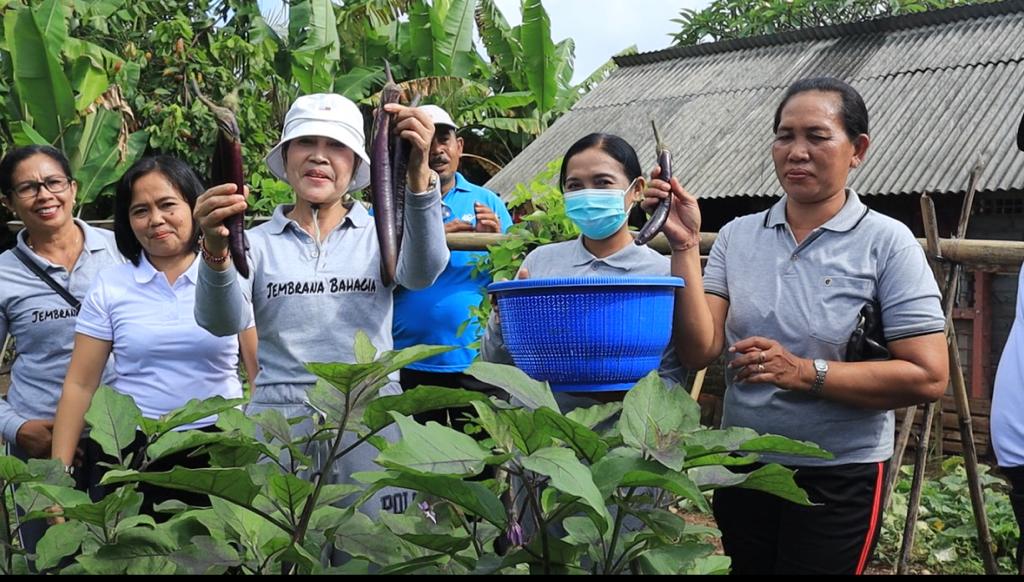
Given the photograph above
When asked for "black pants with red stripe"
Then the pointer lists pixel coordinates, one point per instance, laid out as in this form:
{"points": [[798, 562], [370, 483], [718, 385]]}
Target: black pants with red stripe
{"points": [[764, 534]]}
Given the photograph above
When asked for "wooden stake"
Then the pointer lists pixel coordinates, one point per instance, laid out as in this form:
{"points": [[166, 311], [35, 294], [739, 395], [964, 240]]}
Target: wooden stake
{"points": [[960, 397]]}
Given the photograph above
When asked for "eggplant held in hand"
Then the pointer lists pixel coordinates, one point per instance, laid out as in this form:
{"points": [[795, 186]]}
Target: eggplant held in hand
{"points": [[226, 168]]}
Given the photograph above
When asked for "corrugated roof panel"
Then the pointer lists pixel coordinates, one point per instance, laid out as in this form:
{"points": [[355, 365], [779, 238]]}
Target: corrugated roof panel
{"points": [[941, 95]]}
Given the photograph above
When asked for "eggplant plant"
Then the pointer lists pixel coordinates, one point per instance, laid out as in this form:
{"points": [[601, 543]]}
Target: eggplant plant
{"points": [[588, 490]]}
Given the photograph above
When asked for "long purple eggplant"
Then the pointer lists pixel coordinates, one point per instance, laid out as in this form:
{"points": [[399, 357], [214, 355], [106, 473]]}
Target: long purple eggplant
{"points": [[660, 215], [383, 181], [1020, 135], [225, 168]]}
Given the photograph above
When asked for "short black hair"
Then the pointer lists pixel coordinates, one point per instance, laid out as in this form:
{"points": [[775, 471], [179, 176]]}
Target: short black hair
{"points": [[180, 175], [854, 115], [613, 145], [14, 157]]}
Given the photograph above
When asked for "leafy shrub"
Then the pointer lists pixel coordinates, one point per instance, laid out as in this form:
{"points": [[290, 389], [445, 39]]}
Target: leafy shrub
{"points": [[568, 497], [946, 541]]}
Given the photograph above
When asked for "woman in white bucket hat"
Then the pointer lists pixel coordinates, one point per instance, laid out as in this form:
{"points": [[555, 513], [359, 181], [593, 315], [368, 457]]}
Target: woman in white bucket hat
{"points": [[315, 264]]}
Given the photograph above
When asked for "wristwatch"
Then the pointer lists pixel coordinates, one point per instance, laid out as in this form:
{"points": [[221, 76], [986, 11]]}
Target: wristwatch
{"points": [[820, 369]]}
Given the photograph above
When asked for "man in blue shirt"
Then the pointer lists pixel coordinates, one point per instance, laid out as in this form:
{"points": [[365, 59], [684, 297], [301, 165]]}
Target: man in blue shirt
{"points": [[435, 315]]}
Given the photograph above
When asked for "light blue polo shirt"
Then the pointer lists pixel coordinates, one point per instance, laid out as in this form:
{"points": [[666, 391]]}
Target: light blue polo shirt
{"points": [[162, 357], [808, 297], [43, 325], [1008, 395], [434, 315]]}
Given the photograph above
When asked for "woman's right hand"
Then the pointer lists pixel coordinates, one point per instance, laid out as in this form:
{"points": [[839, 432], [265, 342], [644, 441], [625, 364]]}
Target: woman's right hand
{"points": [[212, 208], [683, 225], [522, 274]]}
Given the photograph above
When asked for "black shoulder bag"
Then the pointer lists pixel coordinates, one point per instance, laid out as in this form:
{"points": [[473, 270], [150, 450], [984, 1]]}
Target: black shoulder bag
{"points": [[867, 342], [46, 278]]}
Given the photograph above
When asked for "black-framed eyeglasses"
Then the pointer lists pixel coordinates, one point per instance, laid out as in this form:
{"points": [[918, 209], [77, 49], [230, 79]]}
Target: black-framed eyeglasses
{"points": [[53, 184]]}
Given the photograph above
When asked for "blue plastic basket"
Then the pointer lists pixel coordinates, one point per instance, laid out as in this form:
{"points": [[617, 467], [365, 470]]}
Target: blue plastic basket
{"points": [[587, 334]]}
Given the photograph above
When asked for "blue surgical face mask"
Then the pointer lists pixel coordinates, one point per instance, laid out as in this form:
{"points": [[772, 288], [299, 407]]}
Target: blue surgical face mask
{"points": [[599, 213]]}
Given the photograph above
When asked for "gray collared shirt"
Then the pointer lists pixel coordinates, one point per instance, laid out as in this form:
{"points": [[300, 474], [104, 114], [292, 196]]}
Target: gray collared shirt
{"points": [[43, 325], [808, 297], [309, 299], [572, 259]]}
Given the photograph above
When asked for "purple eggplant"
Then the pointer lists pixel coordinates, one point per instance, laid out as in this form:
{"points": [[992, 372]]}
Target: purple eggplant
{"points": [[387, 173], [226, 168], [1020, 135], [660, 215]]}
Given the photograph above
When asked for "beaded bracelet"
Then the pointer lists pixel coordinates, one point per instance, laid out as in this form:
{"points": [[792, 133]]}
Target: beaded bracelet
{"points": [[210, 258]]}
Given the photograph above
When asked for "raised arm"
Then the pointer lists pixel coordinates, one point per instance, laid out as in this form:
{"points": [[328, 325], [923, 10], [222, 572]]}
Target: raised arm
{"points": [[221, 307], [698, 319], [424, 252]]}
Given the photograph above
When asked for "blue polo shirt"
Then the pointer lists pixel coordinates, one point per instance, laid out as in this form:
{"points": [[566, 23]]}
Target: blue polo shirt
{"points": [[434, 315]]}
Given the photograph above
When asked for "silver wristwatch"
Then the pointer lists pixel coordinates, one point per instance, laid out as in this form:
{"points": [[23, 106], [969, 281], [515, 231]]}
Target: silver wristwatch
{"points": [[820, 369]]}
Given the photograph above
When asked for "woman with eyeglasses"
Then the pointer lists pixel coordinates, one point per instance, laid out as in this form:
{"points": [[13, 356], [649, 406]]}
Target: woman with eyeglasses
{"points": [[54, 247]]}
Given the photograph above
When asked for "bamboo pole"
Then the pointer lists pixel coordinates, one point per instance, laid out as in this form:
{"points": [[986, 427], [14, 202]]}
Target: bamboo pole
{"points": [[698, 384], [960, 397], [995, 255], [920, 461]]}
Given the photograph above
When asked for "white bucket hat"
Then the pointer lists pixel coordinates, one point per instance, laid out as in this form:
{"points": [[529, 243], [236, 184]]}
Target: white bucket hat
{"points": [[324, 115], [439, 116]]}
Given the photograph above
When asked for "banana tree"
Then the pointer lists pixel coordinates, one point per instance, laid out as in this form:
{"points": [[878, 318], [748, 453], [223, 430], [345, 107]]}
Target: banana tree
{"points": [[61, 93]]}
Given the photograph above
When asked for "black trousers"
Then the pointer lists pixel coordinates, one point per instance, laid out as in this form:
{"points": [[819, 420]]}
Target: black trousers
{"points": [[152, 495], [765, 534], [1016, 477], [452, 417]]}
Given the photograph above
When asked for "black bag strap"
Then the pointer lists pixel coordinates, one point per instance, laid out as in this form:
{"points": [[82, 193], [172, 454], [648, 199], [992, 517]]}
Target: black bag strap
{"points": [[46, 278]]}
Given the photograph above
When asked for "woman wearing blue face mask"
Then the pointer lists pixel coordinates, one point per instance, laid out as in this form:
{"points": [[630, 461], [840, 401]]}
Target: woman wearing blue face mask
{"points": [[601, 179]]}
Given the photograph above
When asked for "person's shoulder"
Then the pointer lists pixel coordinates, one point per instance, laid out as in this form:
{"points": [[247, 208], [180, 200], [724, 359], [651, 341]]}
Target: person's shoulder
{"points": [[554, 250], [886, 229], [479, 192], [118, 275]]}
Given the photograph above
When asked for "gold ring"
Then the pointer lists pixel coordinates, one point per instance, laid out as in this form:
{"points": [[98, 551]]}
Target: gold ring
{"points": [[760, 367], [762, 357]]}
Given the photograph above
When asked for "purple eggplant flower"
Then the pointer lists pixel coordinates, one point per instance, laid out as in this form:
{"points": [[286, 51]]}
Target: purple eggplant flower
{"points": [[514, 535], [428, 511]]}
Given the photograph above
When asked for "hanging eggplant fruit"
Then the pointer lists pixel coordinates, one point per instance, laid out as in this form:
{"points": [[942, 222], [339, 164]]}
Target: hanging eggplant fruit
{"points": [[226, 168], [1020, 135], [389, 160], [660, 215]]}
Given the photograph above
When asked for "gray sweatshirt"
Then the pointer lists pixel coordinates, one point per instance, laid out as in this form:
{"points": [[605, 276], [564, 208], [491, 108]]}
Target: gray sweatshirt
{"points": [[43, 325], [309, 299]]}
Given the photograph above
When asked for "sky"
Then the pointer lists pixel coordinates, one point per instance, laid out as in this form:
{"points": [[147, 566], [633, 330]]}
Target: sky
{"points": [[600, 28]]}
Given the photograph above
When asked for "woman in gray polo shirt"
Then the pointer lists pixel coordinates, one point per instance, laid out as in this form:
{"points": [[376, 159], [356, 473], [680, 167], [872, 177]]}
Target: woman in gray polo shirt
{"points": [[316, 274], [782, 292], [601, 179], [38, 188]]}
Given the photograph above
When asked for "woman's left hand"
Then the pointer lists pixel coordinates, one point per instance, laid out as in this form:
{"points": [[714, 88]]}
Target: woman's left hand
{"points": [[414, 126], [762, 360]]}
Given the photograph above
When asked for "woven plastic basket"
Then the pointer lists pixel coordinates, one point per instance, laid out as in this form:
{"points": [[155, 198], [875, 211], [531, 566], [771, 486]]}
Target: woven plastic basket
{"points": [[587, 334]]}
